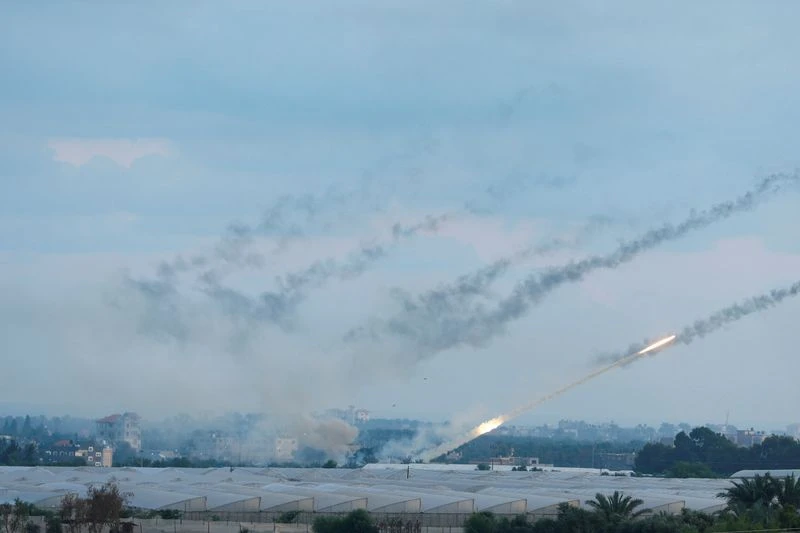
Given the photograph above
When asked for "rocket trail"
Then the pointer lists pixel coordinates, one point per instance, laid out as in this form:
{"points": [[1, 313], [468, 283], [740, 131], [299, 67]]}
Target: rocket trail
{"points": [[496, 422], [700, 328], [449, 316]]}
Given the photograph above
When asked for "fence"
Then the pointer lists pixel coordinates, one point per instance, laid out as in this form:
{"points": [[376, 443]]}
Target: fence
{"points": [[446, 520], [426, 520], [158, 525]]}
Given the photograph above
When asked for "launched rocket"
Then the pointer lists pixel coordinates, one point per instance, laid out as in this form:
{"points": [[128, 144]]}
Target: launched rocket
{"points": [[498, 421]]}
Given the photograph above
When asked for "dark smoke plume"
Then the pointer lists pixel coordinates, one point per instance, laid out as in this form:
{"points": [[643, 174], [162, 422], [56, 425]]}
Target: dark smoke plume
{"points": [[718, 320], [457, 297], [735, 312], [277, 306], [292, 216], [436, 324]]}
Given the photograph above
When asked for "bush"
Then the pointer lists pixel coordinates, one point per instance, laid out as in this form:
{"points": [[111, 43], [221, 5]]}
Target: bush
{"points": [[53, 525], [357, 521], [289, 517]]}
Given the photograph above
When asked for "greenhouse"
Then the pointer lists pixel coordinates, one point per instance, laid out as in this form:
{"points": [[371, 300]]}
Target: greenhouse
{"points": [[434, 494]]}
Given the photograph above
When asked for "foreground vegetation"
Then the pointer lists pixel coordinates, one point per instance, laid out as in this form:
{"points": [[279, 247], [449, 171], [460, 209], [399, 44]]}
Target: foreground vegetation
{"points": [[759, 504]]}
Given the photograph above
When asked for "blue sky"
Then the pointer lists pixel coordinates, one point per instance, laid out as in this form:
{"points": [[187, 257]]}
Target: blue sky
{"points": [[134, 134]]}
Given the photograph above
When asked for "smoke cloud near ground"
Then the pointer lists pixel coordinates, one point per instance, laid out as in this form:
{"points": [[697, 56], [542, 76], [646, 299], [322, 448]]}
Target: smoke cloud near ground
{"points": [[446, 318]]}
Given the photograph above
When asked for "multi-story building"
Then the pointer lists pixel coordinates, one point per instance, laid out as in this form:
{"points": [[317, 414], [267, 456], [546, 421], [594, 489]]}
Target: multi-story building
{"points": [[749, 437], [116, 429]]}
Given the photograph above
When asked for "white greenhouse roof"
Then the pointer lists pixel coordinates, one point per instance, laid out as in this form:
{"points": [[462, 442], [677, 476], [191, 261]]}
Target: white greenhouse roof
{"points": [[378, 488], [773, 473]]}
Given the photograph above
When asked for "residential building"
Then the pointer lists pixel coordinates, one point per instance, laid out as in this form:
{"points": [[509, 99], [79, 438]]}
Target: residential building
{"points": [[116, 429], [749, 437], [62, 451]]}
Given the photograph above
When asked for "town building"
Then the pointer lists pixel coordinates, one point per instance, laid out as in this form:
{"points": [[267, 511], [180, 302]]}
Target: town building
{"points": [[116, 429], [97, 456]]}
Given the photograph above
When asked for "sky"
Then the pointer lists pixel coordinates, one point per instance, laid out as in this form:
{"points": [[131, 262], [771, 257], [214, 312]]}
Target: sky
{"points": [[268, 206]]}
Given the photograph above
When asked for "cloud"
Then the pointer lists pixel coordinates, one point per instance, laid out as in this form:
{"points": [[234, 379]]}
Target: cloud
{"points": [[124, 152]]}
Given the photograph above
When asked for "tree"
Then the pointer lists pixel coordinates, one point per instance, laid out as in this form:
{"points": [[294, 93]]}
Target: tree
{"points": [[654, 458], [27, 427], [13, 518], [480, 523], [104, 507], [73, 512], [124, 454], [6, 513], [788, 491], [617, 507], [682, 469], [330, 463], [749, 493]]}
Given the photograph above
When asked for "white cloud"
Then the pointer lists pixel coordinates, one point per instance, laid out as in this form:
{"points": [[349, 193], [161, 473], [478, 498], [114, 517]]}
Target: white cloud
{"points": [[124, 152]]}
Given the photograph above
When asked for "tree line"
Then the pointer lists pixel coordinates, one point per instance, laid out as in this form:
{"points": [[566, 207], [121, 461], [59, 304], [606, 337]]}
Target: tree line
{"points": [[703, 453]]}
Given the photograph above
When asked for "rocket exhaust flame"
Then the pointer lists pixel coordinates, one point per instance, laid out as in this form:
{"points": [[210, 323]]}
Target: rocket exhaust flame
{"points": [[489, 425], [498, 421], [658, 344], [700, 328]]}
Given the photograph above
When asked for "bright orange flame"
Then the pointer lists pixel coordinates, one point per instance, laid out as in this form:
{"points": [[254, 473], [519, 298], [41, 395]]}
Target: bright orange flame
{"points": [[498, 421], [657, 344], [488, 426]]}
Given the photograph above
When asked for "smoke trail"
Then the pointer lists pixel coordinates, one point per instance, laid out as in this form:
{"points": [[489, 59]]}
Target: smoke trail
{"points": [[699, 329], [432, 328], [276, 306], [290, 216], [456, 298], [494, 423], [723, 317]]}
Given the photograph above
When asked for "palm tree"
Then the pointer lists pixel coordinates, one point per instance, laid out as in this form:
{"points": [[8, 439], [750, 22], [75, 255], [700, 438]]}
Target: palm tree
{"points": [[616, 507], [759, 491], [787, 491]]}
